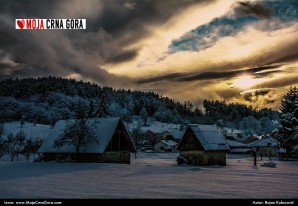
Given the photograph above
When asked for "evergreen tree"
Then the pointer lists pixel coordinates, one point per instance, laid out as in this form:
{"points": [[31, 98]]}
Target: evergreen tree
{"points": [[91, 110], [144, 116], [137, 135], [105, 104], [289, 118], [2, 130], [80, 111]]}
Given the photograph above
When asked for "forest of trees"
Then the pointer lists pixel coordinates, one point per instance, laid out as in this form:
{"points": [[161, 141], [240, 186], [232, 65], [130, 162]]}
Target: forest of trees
{"points": [[49, 99], [46, 100]]}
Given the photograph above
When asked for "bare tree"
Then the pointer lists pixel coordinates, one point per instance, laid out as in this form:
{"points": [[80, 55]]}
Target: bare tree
{"points": [[77, 133]]}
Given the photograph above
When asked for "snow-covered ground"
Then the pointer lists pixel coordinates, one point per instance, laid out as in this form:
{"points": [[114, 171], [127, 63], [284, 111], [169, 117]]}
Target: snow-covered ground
{"points": [[150, 175], [31, 130]]}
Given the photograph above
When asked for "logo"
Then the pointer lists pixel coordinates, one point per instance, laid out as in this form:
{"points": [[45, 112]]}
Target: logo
{"points": [[50, 23]]}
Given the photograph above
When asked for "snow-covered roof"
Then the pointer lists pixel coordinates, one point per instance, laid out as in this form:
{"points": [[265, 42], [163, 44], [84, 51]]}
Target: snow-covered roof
{"points": [[233, 143], [155, 131], [160, 127], [251, 139], [209, 137], [232, 131], [265, 142], [177, 134], [169, 143], [104, 130]]}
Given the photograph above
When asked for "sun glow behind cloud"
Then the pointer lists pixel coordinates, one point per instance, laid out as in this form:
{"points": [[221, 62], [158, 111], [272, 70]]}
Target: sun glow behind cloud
{"points": [[187, 50], [247, 81]]}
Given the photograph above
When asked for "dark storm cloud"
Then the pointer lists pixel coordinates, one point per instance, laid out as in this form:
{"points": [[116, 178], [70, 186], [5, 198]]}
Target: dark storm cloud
{"points": [[253, 95], [181, 77], [228, 74], [255, 8], [111, 27], [122, 56], [263, 98], [168, 77], [281, 82], [209, 76], [284, 57]]}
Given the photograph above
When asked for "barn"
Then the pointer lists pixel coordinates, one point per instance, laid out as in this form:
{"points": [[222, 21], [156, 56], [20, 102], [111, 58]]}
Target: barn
{"points": [[112, 143], [203, 145]]}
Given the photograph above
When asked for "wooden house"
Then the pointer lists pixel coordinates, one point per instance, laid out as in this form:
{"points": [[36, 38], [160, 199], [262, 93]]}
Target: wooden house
{"points": [[234, 134], [152, 137], [238, 147], [267, 146], [165, 146], [112, 143], [251, 138], [203, 145]]}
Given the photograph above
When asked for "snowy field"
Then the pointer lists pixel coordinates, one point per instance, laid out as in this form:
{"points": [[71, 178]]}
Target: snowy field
{"points": [[150, 175]]}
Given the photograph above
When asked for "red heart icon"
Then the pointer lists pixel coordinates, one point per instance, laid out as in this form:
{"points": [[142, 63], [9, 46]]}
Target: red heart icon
{"points": [[21, 23]]}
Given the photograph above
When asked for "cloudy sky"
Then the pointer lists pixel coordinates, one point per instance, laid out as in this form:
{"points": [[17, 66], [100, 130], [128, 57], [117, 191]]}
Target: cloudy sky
{"points": [[189, 50]]}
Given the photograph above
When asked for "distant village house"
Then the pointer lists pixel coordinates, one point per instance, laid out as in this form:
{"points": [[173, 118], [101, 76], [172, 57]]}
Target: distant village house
{"points": [[165, 146], [266, 146]]}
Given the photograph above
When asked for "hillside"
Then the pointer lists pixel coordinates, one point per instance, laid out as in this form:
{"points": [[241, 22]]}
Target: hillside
{"points": [[46, 100], [31, 130]]}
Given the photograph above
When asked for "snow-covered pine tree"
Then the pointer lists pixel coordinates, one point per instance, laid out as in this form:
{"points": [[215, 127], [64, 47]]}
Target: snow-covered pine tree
{"points": [[91, 110], [80, 110], [289, 119], [144, 115], [2, 130], [105, 104]]}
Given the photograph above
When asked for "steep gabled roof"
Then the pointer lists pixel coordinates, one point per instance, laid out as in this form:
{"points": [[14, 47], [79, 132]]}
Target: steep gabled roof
{"points": [[104, 130], [209, 137]]}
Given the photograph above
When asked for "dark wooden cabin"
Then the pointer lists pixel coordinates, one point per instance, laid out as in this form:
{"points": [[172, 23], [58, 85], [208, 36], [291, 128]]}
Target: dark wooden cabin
{"points": [[112, 143], [203, 145]]}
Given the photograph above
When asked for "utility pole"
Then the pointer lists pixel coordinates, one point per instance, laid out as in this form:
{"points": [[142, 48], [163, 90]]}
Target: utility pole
{"points": [[255, 157]]}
